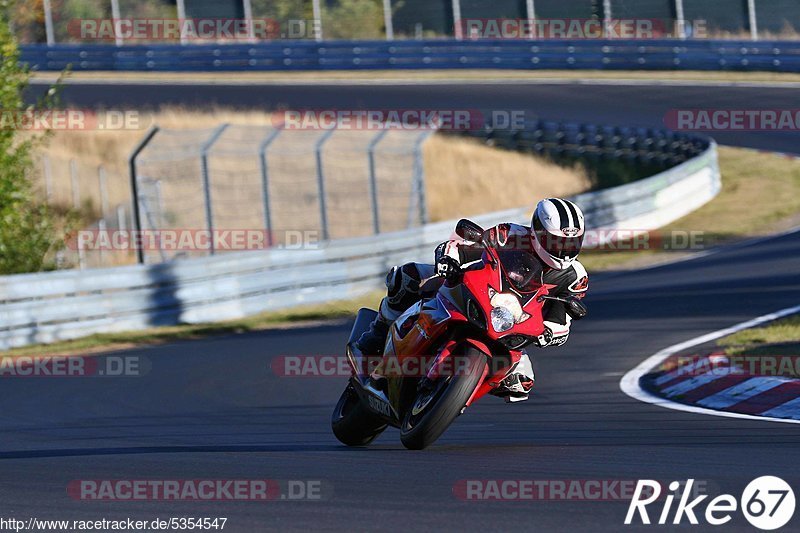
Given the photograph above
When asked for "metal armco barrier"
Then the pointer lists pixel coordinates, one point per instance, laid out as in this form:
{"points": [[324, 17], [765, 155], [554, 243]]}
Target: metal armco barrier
{"points": [[52, 306], [612, 54]]}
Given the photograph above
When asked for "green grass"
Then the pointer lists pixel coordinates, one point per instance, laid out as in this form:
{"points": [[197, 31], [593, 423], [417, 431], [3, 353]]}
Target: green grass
{"points": [[749, 178], [781, 337]]}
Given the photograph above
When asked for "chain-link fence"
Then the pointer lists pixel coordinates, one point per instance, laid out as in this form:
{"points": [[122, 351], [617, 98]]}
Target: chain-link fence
{"points": [[71, 21], [306, 185], [98, 200]]}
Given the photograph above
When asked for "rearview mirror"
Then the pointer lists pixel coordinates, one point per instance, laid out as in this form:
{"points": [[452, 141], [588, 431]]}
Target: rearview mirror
{"points": [[575, 308], [469, 231]]}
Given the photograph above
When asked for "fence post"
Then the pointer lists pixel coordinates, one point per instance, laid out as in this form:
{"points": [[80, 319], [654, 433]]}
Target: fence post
{"points": [[530, 12], [81, 258], [418, 187], [457, 29], [753, 21], [606, 18], [73, 178], [121, 223], [323, 210], [373, 180], [680, 19], [387, 19], [207, 182], [137, 221], [48, 178], [76, 204], [160, 204], [317, 14], [48, 23], [247, 7], [101, 228], [262, 155], [101, 179], [115, 16], [181, 5]]}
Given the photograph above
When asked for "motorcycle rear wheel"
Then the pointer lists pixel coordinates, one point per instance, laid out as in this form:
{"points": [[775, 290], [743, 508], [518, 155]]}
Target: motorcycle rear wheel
{"points": [[352, 423], [433, 413]]}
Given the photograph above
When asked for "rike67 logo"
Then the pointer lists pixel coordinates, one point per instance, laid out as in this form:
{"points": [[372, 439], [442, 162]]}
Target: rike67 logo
{"points": [[767, 503]]}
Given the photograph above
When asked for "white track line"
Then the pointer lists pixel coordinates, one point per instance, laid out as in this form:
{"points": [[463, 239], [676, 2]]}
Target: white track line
{"points": [[629, 384]]}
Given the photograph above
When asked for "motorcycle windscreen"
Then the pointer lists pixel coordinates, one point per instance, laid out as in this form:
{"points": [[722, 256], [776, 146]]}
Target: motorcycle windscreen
{"points": [[522, 269]]}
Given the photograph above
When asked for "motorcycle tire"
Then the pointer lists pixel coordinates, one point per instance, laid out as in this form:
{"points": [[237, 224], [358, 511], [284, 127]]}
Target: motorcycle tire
{"points": [[421, 427]]}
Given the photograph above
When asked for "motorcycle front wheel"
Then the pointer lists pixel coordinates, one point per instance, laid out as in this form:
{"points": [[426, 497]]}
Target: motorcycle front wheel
{"points": [[439, 402]]}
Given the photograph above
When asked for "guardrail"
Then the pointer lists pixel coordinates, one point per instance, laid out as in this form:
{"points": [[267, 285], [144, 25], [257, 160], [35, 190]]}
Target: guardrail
{"points": [[609, 54], [47, 307]]}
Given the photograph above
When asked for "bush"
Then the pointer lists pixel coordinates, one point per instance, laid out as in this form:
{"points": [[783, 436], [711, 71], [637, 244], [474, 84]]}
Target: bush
{"points": [[27, 227], [353, 19]]}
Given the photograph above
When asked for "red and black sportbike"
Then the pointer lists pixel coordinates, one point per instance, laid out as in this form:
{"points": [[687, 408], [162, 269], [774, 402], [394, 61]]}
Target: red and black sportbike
{"points": [[449, 349]]}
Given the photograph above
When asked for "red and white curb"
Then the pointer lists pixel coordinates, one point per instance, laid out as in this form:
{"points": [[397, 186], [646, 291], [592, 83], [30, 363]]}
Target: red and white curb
{"points": [[721, 390], [717, 381]]}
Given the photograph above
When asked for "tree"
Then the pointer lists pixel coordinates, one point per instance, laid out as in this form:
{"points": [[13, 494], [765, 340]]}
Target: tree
{"points": [[353, 19], [27, 228]]}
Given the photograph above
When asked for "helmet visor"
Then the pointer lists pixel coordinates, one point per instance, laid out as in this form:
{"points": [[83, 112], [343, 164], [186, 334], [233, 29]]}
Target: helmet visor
{"points": [[557, 246]]}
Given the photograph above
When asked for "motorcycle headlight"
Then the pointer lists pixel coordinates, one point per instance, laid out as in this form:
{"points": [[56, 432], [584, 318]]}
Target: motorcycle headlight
{"points": [[502, 319], [510, 304]]}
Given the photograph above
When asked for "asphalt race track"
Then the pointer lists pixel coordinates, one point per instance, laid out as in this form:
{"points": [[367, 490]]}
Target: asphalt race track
{"points": [[214, 409], [623, 105]]}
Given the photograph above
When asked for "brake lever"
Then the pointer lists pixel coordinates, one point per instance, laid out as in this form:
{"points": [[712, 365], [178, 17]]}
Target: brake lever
{"points": [[556, 298]]}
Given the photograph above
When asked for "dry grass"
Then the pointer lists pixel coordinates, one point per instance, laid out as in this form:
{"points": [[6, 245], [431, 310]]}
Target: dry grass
{"points": [[111, 149], [749, 178], [781, 337], [465, 177]]}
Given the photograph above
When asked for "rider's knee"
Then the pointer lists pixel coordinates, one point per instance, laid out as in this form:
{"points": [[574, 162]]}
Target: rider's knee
{"points": [[402, 286]]}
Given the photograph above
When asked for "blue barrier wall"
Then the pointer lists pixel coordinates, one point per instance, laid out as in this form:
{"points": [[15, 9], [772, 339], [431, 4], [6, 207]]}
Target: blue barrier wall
{"points": [[774, 56]]}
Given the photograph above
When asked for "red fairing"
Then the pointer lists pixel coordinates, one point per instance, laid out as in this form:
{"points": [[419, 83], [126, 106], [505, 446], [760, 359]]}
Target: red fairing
{"points": [[436, 318]]}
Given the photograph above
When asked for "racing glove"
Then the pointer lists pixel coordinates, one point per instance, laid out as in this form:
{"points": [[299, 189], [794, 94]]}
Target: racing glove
{"points": [[545, 338], [448, 268]]}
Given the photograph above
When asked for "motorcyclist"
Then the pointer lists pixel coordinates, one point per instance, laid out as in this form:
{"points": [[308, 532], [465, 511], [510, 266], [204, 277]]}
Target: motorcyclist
{"points": [[554, 239]]}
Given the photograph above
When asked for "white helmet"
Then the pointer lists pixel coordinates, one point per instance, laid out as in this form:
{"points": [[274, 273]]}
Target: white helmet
{"points": [[558, 229]]}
